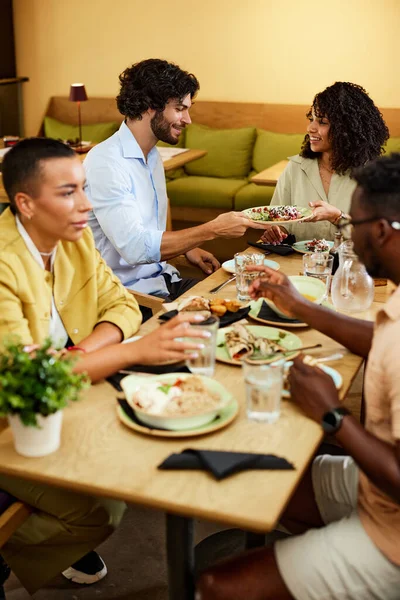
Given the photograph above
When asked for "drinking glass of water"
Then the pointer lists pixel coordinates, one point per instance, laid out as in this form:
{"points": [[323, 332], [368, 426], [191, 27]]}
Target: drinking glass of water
{"points": [[319, 265], [204, 364], [263, 390], [245, 278]]}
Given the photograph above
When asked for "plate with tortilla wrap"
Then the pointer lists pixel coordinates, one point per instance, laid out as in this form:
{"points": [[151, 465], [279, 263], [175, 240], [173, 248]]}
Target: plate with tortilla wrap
{"points": [[256, 343]]}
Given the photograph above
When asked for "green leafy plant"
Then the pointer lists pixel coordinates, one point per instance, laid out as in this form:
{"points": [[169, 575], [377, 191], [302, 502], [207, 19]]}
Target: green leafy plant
{"points": [[36, 381]]}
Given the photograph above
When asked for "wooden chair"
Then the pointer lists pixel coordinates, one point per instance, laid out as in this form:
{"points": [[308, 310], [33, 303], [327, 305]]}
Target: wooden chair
{"points": [[180, 262], [148, 301], [12, 515]]}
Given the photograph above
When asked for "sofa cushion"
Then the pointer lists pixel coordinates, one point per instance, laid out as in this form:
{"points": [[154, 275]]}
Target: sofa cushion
{"points": [[92, 133], [229, 151], [204, 192], [253, 195], [393, 145], [272, 147]]}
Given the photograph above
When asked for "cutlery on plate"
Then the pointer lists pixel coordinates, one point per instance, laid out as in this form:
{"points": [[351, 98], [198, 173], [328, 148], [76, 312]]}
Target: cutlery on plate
{"points": [[219, 287], [330, 358], [283, 351]]}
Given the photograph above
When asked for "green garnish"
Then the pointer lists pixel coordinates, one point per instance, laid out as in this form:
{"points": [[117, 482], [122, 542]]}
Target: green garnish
{"points": [[165, 388]]}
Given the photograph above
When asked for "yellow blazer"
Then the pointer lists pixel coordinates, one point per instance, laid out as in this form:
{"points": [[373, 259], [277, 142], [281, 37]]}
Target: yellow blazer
{"points": [[85, 290]]}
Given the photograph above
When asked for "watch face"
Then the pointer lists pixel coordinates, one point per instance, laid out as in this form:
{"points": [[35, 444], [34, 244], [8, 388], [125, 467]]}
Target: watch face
{"points": [[331, 422]]}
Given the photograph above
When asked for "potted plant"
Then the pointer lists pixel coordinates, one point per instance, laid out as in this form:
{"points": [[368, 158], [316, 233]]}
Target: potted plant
{"points": [[36, 383]]}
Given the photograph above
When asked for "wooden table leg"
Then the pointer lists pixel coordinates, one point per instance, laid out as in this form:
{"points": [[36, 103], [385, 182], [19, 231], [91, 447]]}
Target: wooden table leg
{"points": [[180, 558]]}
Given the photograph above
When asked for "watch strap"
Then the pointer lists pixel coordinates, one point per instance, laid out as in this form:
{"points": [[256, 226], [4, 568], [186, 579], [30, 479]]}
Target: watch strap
{"points": [[342, 410], [338, 414]]}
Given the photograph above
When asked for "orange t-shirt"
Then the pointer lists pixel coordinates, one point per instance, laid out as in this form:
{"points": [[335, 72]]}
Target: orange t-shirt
{"points": [[380, 514]]}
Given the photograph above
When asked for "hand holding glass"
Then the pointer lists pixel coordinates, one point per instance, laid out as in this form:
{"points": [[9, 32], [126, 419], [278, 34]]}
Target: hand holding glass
{"points": [[203, 363]]}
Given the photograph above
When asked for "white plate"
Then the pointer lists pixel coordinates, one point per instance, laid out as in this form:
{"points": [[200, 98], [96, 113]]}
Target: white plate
{"points": [[253, 212], [286, 339], [301, 247], [131, 384], [229, 265], [336, 376]]}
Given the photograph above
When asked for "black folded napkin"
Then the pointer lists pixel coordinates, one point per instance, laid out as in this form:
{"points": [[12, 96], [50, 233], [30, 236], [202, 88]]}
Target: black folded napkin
{"points": [[128, 410], [268, 314], [227, 319], [280, 249], [152, 369], [222, 464]]}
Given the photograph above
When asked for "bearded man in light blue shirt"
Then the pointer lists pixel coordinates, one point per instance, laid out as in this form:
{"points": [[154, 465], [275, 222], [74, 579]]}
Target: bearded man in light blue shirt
{"points": [[126, 185]]}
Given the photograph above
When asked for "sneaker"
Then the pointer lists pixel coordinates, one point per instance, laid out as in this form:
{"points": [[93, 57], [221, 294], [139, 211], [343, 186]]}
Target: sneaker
{"points": [[4, 571], [87, 570]]}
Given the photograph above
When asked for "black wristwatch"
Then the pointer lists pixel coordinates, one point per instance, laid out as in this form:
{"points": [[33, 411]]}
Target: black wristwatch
{"points": [[332, 420]]}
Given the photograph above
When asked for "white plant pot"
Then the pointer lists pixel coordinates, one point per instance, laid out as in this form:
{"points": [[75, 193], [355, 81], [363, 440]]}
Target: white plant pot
{"points": [[37, 441]]}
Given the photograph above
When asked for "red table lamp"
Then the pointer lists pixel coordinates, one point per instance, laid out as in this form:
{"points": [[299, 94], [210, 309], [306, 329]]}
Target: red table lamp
{"points": [[78, 94]]}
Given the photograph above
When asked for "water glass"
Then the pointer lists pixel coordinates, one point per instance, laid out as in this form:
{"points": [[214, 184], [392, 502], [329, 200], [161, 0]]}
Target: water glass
{"points": [[264, 385], [204, 364], [319, 265], [245, 278]]}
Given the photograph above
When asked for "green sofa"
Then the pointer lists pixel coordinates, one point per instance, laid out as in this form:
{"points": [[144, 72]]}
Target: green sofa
{"points": [[221, 179]]}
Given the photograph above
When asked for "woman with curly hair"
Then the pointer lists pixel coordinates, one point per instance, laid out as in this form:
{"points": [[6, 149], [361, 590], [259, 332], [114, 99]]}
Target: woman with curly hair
{"points": [[346, 131]]}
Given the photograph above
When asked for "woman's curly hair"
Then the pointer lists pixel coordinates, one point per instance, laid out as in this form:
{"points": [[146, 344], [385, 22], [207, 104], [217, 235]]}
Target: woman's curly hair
{"points": [[150, 84], [357, 130]]}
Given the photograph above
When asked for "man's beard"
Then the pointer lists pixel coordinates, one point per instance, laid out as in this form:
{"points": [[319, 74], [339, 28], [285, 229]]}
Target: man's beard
{"points": [[162, 129]]}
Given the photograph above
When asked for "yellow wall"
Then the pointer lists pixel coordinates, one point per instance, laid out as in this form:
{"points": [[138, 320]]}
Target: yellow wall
{"points": [[255, 50]]}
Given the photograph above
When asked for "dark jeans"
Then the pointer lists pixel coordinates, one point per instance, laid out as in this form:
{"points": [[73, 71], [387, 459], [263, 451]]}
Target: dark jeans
{"points": [[178, 288], [175, 289]]}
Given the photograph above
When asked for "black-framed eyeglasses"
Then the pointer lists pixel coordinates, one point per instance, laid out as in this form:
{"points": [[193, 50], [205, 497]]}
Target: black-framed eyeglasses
{"points": [[354, 222]]}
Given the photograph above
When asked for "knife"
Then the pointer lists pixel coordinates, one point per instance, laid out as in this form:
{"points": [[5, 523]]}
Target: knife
{"points": [[219, 287]]}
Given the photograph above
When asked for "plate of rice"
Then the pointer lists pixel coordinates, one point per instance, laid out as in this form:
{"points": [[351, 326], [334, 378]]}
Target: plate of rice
{"points": [[175, 401]]}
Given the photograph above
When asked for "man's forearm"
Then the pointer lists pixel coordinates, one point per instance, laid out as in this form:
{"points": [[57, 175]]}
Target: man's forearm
{"points": [[354, 334], [174, 243], [377, 459]]}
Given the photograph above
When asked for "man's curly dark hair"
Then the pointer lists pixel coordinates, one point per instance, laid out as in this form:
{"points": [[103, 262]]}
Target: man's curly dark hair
{"points": [[380, 182], [357, 129], [150, 84]]}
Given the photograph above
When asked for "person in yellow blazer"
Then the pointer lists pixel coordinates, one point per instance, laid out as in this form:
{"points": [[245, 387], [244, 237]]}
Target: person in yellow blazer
{"points": [[345, 131], [53, 282]]}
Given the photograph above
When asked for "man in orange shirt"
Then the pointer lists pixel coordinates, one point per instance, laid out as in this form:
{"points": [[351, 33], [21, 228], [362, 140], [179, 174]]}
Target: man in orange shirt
{"points": [[346, 510]]}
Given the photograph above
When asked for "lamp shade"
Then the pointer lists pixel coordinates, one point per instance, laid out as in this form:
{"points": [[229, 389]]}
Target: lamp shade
{"points": [[77, 92]]}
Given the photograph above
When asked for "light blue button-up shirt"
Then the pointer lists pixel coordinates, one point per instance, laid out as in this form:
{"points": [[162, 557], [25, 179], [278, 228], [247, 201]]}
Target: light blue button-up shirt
{"points": [[129, 216]]}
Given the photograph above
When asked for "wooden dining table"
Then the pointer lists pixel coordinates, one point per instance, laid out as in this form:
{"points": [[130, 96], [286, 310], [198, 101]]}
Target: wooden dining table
{"points": [[100, 456], [270, 175]]}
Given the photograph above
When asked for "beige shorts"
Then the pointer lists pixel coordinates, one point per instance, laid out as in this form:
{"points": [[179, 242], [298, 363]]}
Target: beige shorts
{"points": [[338, 561]]}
